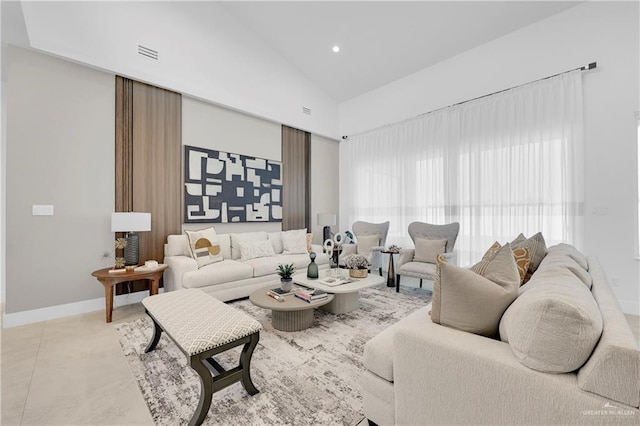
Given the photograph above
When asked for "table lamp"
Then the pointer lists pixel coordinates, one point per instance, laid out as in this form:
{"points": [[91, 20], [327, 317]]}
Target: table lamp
{"points": [[130, 223], [327, 220]]}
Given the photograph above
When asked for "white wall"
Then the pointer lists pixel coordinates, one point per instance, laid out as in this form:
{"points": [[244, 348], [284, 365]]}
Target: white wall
{"points": [[204, 52], [325, 179], [60, 152], [606, 32]]}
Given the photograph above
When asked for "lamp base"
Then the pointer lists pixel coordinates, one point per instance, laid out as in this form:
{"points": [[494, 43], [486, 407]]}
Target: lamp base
{"points": [[326, 233], [131, 250]]}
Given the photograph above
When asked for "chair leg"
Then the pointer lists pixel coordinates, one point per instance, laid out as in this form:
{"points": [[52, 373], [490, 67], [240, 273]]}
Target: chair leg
{"points": [[380, 271], [420, 282], [397, 283]]}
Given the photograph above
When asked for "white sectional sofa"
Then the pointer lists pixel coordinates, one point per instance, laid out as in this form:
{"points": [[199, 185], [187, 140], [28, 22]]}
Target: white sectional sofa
{"points": [[420, 372], [232, 278]]}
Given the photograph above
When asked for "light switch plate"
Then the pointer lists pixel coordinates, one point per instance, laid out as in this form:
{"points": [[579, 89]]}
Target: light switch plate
{"points": [[42, 210]]}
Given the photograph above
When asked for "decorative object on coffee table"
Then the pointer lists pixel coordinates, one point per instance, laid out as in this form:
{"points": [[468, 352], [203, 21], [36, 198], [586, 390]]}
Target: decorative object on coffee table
{"points": [[358, 265], [285, 272], [312, 269]]}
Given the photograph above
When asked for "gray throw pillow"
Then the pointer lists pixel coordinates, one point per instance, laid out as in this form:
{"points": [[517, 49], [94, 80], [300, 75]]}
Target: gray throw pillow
{"points": [[467, 301], [427, 250]]}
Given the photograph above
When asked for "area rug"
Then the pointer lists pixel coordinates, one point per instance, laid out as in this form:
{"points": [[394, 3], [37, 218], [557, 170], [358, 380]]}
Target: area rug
{"points": [[309, 377]]}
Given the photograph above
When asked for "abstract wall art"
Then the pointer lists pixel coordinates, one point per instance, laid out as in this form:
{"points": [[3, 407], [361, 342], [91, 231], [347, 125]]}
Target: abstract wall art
{"points": [[221, 187]]}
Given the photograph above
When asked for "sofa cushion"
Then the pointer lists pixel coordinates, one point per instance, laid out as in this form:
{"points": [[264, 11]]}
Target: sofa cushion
{"points": [[238, 239], [294, 241], [276, 241], [559, 262], [571, 251], [217, 273], [554, 324], [204, 246], [366, 243], [475, 302], [255, 249], [427, 250]]}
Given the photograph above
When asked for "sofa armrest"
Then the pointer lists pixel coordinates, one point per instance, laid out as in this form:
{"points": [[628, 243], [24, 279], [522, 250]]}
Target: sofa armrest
{"points": [[447, 376], [406, 255], [177, 266], [376, 257]]}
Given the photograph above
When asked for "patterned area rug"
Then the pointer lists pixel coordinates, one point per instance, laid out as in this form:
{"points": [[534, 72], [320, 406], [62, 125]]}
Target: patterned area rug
{"points": [[309, 377]]}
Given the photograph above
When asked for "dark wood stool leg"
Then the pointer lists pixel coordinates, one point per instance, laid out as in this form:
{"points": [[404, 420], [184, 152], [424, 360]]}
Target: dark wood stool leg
{"points": [[157, 332], [420, 282], [245, 364], [206, 391]]}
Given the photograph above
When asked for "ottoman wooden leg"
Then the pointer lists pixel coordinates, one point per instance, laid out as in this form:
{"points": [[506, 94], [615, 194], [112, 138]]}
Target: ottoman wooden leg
{"points": [[157, 332], [245, 364]]}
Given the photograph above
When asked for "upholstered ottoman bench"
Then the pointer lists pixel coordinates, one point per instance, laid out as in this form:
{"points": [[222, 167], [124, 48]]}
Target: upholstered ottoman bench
{"points": [[202, 326]]}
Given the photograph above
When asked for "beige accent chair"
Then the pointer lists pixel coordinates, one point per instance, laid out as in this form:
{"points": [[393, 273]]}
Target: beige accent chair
{"points": [[370, 238], [411, 267]]}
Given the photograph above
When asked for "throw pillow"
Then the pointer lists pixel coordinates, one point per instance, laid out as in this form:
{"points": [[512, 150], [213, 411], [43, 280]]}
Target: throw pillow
{"points": [[537, 249], [470, 302], [254, 249], [521, 255], [427, 250], [366, 243], [276, 241], [243, 237], [294, 242], [204, 246]]}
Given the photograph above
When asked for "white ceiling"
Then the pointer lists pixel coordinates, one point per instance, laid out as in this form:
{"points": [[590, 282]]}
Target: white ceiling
{"points": [[381, 41]]}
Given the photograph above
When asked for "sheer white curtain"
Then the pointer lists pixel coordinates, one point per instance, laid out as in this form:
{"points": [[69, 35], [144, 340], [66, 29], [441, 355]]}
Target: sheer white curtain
{"points": [[500, 165]]}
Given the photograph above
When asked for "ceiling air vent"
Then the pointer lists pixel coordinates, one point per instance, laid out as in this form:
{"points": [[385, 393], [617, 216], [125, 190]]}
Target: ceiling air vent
{"points": [[306, 110], [148, 53]]}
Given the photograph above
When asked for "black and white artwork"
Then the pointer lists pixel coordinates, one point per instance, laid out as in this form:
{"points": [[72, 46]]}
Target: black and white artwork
{"points": [[221, 187]]}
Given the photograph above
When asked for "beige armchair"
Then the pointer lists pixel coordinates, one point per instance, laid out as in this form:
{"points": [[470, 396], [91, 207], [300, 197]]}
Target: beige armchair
{"points": [[370, 241], [429, 240]]}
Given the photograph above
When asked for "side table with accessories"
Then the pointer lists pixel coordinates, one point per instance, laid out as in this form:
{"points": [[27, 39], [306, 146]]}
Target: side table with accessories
{"points": [[391, 274], [110, 277]]}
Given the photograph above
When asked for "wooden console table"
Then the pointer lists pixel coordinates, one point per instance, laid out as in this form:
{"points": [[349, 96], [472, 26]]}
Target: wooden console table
{"points": [[109, 279]]}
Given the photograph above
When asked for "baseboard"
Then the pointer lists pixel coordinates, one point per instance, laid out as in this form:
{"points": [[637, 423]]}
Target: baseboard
{"points": [[69, 309], [630, 307]]}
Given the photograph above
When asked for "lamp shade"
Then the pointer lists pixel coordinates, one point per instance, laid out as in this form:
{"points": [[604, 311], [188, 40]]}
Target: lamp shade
{"points": [[130, 222], [326, 219]]}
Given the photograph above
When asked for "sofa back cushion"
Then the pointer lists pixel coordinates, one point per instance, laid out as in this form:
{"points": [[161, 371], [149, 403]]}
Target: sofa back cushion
{"points": [[177, 245], [294, 241], [554, 324], [239, 238], [276, 241], [613, 370]]}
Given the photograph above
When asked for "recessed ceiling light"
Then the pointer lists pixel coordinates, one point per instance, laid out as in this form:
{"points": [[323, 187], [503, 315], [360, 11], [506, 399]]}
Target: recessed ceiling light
{"points": [[336, 49]]}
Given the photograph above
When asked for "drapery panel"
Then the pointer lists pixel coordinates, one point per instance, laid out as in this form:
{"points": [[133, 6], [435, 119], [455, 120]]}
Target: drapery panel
{"points": [[500, 165]]}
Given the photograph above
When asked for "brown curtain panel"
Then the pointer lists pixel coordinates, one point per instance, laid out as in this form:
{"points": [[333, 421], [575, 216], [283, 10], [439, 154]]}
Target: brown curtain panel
{"points": [[296, 187], [148, 162]]}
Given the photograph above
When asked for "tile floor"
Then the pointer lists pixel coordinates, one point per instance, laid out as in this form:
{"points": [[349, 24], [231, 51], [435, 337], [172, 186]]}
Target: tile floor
{"points": [[71, 371]]}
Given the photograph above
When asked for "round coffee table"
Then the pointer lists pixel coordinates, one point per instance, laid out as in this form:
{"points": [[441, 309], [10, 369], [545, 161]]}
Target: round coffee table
{"points": [[291, 315]]}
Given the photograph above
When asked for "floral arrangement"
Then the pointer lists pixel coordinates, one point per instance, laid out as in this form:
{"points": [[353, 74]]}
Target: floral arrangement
{"points": [[285, 271], [394, 249], [357, 261]]}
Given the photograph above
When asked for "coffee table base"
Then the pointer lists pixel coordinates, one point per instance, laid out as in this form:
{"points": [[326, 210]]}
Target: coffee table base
{"points": [[292, 320], [343, 303]]}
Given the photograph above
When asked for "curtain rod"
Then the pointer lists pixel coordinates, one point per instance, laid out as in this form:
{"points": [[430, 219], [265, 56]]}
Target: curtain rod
{"points": [[589, 66]]}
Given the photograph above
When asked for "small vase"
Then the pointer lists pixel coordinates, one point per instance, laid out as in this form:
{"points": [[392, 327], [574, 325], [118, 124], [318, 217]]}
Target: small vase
{"points": [[312, 269], [286, 284], [358, 273]]}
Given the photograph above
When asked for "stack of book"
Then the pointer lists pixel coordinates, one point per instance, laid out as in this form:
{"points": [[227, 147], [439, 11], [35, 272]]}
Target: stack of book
{"points": [[310, 295], [278, 293]]}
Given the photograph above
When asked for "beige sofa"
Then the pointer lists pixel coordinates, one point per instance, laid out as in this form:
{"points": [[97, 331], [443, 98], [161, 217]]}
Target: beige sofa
{"points": [[419, 372], [231, 278]]}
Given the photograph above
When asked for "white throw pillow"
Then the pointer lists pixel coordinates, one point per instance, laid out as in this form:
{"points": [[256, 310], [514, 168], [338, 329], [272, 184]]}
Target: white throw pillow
{"points": [[255, 249], [204, 246], [294, 242], [276, 241], [244, 237], [427, 250], [366, 243]]}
